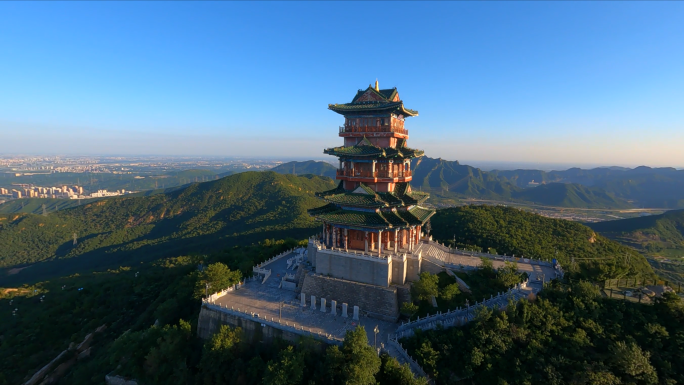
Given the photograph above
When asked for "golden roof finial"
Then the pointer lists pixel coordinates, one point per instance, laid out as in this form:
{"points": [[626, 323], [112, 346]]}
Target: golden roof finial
{"points": [[376, 85]]}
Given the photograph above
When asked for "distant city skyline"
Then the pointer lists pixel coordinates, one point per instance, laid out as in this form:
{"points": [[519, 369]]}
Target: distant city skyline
{"points": [[585, 84]]}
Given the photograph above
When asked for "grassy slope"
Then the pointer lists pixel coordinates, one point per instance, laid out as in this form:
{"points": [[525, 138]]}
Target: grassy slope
{"points": [[242, 208], [309, 167], [513, 231]]}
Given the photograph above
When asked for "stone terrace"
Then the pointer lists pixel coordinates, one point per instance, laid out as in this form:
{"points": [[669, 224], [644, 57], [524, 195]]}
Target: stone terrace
{"points": [[266, 300]]}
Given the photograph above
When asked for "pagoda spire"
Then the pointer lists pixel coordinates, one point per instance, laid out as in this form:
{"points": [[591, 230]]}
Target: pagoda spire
{"points": [[377, 88]]}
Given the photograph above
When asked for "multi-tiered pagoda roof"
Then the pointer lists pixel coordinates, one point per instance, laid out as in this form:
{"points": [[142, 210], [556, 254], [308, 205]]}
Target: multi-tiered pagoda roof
{"points": [[367, 149], [372, 99]]}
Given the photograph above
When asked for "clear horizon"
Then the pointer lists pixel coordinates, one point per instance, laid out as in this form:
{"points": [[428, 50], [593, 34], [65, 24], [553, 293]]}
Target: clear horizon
{"points": [[522, 83]]}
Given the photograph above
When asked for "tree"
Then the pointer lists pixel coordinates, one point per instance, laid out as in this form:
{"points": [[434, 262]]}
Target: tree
{"points": [[487, 265], [508, 274], [450, 291], [634, 363], [218, 355], [166, 362], [361, 362], [426, 286], [391, 372], [219, 277], [428, 357], [408, 308], [286, 370]]}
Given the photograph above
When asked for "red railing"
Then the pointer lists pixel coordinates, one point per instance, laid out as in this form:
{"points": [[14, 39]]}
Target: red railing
{"points": [[377, 174], [366, 129]]}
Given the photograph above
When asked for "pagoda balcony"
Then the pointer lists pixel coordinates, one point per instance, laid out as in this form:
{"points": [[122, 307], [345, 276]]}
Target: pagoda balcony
{"points": [[382, 129], [369, 174]]}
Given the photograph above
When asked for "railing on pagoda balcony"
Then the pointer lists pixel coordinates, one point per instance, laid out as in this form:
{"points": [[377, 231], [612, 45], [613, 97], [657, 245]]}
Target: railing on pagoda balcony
{"points": [[369, 174], [367, 129]]}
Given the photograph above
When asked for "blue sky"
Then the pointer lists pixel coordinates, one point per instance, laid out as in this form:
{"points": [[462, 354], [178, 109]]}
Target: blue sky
{"points": [[555, 82]]}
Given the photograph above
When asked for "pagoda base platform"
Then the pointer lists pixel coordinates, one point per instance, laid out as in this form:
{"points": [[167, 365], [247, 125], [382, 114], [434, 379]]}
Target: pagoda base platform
{"points": [[385, 269]]}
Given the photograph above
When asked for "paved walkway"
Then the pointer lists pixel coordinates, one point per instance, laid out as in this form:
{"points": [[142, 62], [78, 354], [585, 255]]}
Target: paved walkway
{"points": [[461, 260], [268, 299]]}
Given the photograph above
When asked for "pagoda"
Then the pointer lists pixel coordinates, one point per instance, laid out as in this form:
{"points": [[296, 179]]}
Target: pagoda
{"points": [[373, 208]]}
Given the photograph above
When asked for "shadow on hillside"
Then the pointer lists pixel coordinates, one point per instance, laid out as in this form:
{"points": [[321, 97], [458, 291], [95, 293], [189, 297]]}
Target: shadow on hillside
{"points": [[113, 257]]}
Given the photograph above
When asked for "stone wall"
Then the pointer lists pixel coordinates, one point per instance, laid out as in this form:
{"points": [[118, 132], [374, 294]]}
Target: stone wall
{"points": [[399, 269], [413, 266], [358, 268], [257, 330], [403, 294], [376, 301], [311, 253]]}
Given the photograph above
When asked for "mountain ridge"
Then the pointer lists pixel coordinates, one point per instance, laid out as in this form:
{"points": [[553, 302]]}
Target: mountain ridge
{"points": [[241, 208]]}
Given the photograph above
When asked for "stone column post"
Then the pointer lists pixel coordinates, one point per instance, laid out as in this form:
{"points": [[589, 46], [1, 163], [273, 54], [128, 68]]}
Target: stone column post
{"points": [[373, 169], [313, 302], [380, 242], [323, 305], [365, 238], [396, 235], [333, 307], [410, 239], [390, 166], [344, 310], [303, 299], [334, 241], [356, 313], [346, 236]]}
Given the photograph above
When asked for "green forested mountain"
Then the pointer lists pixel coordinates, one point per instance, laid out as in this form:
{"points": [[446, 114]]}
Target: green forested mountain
{"points": [[308, 167], [35, 205], [242, 208], [653, 232], [568, 335], [660, 237], [451, 179], [512, 231], [442, 176], [570, 195]]}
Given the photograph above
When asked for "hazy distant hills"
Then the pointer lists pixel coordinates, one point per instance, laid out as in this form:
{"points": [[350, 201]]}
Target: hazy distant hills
{"points": [[201, 217], [645, 186], [450, 179], [570, 195], [444, 176], [308, 167]]}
